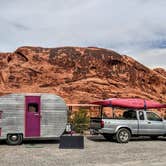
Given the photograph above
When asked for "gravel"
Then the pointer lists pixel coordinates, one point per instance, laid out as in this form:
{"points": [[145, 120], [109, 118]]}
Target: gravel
{"points": [[98, 151]]}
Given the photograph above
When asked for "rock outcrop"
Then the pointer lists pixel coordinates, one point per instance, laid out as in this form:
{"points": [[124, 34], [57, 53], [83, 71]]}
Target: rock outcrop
{"points": [[161, 71], [79, 75]]}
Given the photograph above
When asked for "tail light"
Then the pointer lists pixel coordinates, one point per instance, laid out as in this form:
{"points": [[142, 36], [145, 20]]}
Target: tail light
{"points": [[102, 124]]}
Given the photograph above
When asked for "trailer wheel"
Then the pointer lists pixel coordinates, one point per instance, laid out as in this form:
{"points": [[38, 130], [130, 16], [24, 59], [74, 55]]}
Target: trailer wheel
{"points": [[14, 139], [123, 135], [109, 137]]}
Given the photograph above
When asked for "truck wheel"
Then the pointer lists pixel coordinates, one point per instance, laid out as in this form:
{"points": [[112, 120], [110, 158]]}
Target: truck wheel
{"points": [[108, 137], [123, 135], [14, 139]]}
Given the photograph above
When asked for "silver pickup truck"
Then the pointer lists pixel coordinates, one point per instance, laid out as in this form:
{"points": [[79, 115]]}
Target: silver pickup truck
{"points": [[132, 123]]}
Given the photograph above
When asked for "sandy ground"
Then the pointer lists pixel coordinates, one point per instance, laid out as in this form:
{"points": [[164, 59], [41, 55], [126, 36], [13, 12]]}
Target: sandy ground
{"points": [[98, 151]]}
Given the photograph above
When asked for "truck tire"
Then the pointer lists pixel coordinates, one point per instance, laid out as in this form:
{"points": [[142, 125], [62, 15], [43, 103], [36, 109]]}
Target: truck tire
{"points": [[109, 137], [14, 139], [123, 135]]}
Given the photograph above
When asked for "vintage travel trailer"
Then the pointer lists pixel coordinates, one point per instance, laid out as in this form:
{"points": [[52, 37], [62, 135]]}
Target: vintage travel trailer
{"points": [[31, 115]]}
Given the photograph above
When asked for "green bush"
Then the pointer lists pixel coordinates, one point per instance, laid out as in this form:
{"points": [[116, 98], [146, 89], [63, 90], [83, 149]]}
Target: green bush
{"points": [[80, 120]]}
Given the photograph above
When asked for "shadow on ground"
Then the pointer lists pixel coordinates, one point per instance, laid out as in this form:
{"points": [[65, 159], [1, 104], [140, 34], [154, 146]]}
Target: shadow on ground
{"points": [[99, 138], [34, 142], [95, 138]]}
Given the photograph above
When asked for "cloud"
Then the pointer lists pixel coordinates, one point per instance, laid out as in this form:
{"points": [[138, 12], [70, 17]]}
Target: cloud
{"points": [[153, 57], [129, 27]]}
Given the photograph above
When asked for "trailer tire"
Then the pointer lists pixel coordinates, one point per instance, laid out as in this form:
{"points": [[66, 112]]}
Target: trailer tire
{"points": [[109, 137], [14, 139], [123, 135]]}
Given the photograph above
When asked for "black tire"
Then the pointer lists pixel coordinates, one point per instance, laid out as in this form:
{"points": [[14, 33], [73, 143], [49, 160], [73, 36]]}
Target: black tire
{"points": [[154, 137], [14, 139], [109, 137], [123, 135]]}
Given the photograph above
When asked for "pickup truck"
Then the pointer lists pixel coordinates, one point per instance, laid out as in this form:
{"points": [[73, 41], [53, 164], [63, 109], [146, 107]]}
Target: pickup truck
{"points": [[132, 123]]}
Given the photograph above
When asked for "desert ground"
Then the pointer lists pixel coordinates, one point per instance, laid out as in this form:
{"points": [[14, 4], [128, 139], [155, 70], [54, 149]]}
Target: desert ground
{"points": [[97, 151]]}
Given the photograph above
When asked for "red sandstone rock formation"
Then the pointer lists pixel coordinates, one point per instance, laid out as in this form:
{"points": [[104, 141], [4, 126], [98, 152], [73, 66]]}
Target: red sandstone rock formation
{"points": [[79, 75], [161, 71]]}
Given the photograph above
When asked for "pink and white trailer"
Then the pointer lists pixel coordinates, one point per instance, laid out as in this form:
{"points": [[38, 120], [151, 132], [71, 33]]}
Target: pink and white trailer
{"points": [[31, 116]]}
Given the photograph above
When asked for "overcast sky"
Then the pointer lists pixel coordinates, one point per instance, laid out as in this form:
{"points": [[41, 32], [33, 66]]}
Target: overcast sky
{"points": [[133, 27]]}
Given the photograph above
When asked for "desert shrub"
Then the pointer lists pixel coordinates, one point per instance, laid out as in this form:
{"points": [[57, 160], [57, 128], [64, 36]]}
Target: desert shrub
{"points": [[80, 120]]}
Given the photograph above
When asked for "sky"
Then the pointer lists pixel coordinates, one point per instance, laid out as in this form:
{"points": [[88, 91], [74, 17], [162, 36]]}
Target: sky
{"points": [[133, 27]]}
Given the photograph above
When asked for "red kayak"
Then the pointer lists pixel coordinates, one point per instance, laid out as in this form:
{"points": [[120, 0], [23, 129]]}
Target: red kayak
{"points": [[130, 103]]}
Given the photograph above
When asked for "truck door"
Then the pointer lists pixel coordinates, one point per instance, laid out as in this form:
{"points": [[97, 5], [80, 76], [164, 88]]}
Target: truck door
{"points": [[32, 116], [151, 124]]}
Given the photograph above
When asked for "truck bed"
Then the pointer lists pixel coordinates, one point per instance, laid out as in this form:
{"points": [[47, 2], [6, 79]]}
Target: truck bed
{"points": [[95, 123]]}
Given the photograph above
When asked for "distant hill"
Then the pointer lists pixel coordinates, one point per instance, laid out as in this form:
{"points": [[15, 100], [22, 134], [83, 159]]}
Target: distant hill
{"points": [[161, 71], [79, 75]]}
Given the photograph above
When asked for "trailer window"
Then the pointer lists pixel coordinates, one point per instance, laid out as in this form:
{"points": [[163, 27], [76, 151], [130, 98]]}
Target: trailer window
{"points": [[32, 107]]}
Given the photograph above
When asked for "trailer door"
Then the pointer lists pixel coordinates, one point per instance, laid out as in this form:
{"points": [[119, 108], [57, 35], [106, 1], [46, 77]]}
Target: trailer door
{"points": [[32, 116]]}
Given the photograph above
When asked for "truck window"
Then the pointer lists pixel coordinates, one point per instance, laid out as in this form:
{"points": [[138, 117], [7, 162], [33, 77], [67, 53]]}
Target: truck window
{"points": [[152, 116], [141, 115], [130, 115]]}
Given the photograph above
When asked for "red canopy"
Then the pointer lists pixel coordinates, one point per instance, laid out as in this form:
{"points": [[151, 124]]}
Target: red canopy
{"points": [[130, 103]]}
